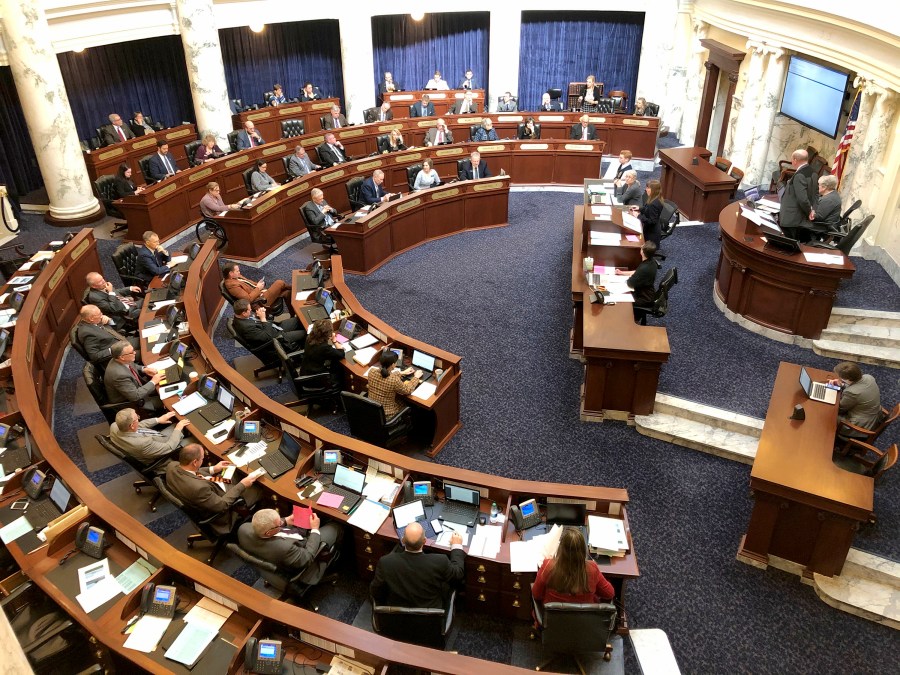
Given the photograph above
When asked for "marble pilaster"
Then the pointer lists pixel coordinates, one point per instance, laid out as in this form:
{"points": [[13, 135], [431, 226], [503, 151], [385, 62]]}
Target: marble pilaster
{"points": [[758, 167], [743, 129], [506, 38], [206, 72], [51, 126], [677, 77], [358, 63], [696, 74]]}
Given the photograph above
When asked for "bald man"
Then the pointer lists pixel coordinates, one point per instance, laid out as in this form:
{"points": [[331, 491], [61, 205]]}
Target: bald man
{"points": [[372, 191], [120, 304], [800, 195]]}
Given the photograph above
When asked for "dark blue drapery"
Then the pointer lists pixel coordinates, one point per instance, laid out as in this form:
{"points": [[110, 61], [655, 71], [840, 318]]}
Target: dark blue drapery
{"points": [[288, 53], [413, 50], [562, 47], [149, 75], [18, 165]]}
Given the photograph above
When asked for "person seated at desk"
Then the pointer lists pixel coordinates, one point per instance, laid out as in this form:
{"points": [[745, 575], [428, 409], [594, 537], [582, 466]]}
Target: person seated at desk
{"points": [[624, 165], [139, 125], [413, 578], [332, 152], [590, 94], [584, 130], [439, 134], [162, 164], [529, 132], [120, 304], [278, 96], [826, 214], [642, 281], [260, 180], [507, 104], [371, 192], [335, 120], [651, 210], [115, 131], [423, 108], [125, 382], [153, 260], [317, 212], [211, 205], [277, 540], [300, 164], [549, 105], [465, 105], [385, 382], [136, 438], [388, 85], [628, 191], [310, 93], [486, 132], [395, 141], [249, 137], [640, 107], [240, 287], [384, 114], [569, 576], [257, 331], [427, 177], [208, 150], [437, 82], [860, 402], [123, 186], [190, 483], [469, 81], [322, 353], [96, 334], [475, 167]]}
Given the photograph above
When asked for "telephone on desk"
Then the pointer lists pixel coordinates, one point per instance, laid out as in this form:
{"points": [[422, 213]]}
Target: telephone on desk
{"points": [[525, 515], [326, 461], [159, 601], [263, 656], [91, 540]]}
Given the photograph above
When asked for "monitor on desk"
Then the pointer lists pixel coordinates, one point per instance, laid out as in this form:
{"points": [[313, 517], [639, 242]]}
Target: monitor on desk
{"points": [[566, 514], [422, 360], [60, 495]]}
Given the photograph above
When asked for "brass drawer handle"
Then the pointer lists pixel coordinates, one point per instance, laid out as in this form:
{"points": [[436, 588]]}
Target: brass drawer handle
{"points": [[480, 568], [516, 603], [481, 580], [517, 586], [368, 549], [370, 567], [481, 598], [367, 536]]}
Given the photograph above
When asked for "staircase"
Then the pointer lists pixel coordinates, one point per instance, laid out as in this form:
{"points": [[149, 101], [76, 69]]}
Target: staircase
{"points": [[861, 335]]}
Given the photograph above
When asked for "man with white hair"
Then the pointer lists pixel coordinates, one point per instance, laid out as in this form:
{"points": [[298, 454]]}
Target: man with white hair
{"points": [[137, 438], [629, 192], [826, 215], [120, 304], [371, 190]]}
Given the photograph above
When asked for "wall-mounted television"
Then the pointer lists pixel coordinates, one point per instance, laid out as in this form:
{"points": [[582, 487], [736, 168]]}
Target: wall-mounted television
{"points": [[814, 94]]}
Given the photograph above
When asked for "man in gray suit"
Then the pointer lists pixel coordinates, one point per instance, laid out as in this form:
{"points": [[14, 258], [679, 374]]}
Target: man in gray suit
{"points": [[190, 483], [826, 216], [137, 438], [97, 336], [300, 164], [507, 103], [115, 131], [629, 192], [799, 196], [439, 134], [860, 402], [336, 119], [274, 539], [125, 382]]}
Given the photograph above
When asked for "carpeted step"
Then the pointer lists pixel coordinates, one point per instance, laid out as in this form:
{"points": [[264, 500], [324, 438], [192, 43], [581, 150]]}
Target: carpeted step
{"points": [[846, 351], [698, 436], [868, 587], [714, 417]]}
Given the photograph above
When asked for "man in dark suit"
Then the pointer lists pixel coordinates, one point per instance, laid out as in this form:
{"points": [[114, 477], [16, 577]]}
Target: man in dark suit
{"points": [[137, 439], [439, 134], [388, 85], [423, 108], [799, 196], [258, 331], [189, 482], [96, 335], [120, 304], [275, 540], [153, 260], [310, 93], [383, 113], [335, 120], [475, 167], [331, 152], [624, 165], [126, 381], [371, 190], [162, 164], [249, 137], [507, 103], [115, 131], [469, 81], [412, 578], [584, 130], [549, 105]]}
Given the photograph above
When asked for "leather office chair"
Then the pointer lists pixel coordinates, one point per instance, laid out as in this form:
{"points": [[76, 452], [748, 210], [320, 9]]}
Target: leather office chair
{"points": [[845, 243], [287, 170], [94, 143], [94, 382], [104, 191], [847, 430], [411, 173], [317, 235], [459, 168], [125, 259], [319, 155], [265, 353], [606, 106], [619, 99], [428, 626], [737, 174], [473, 129], [246, 175], [669, 218], [723, 164], [232, 139], [77, 346], [353, 187], [866, 459], [158, 126], [651, 109], [292, 128], [368, 422], [190, 151], [237, 105], [147, 473], [844, 224], [144, 165], [310, 389], [268, 96], [575, 629], [660, 305], [370, 115], [322, 122], [225, 294], [520, 130], [207, 228], [383, 143]]}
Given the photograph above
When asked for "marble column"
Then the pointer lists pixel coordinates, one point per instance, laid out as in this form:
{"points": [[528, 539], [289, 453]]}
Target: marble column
{"points": [[358, 63], [742, 130], [756, 170], [506, 39], [696, 75], [672, 110], [51, 126], [206, 72]]}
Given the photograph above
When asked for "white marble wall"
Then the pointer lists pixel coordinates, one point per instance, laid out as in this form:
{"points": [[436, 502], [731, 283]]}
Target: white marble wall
{"points": [[696, 75], [786, 136], [756, 170], [358, 64], [672, 109], [505, 48]]}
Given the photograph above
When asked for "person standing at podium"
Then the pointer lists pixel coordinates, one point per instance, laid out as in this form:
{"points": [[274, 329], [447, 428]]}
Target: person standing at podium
{"points": [[650, 212], [799, 196], [860, 403]]}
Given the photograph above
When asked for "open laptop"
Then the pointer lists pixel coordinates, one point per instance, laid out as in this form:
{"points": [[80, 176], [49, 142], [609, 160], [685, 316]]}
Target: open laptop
{"points": [[42, 511], [170, 290], [314, 280], [221, 405], [176, 353], [423, 362], [321, 310], [348, 484], [171, 318], [412, 512], [461, 505], [14, 458], [817, 391], [282, 460], [567, 515], [781, 244]]}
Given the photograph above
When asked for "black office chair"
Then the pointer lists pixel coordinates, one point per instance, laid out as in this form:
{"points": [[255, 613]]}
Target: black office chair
{"points": [[268, 96], [322, 122], [620, 100], [368, 422], [370, 115], [225, 294], [147, 473], [555, 94], [606, 106], [94, 382], [232, 139], [265, 353], [651, 109], [473, 129], [319, 154], [292, 128], [125, 259], [94, 143], [104, 190], [309, 389], [460, 163], [411, 173], [427, 626], [660, 304], [845, 243], [574, 629], [520, 130], [76, 344], [317, 235], [844, 224], [190, 151], [237, 105], [353, 186], [383, 143], [158, 126], [144, 166], [246, 174], [287, 169], [669, 218]]}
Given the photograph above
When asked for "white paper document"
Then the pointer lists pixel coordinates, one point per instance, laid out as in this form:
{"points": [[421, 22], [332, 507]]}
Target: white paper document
{"points": [[136, 574], [15, 529], [215, 433], [158, 329], [769, 204], [827, 258], [364, 341], [190, 404], [526, 556], [364, 356], [602, 211], [605, 239], [90, 575], [607, 534], [303, 295], [377, 486], [425, 390], [444, 537], [178, 259], [162, 303], [632, 223], [19, 280], [96, 595], [486, 542], [190, 643], [209, 614], [369, 516], [620, 297], [171, 390], [252, 453], [147, 633]]}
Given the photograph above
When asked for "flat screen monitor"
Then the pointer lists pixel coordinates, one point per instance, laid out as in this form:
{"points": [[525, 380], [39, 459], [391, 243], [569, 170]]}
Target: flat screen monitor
{"points": [[59, 495], [814, 95], [422, 360], [226, 398], [348, 478]]}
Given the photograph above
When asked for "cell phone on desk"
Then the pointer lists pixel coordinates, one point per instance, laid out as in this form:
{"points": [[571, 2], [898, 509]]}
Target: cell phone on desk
{"points": [[159, 601], [263, 656]]}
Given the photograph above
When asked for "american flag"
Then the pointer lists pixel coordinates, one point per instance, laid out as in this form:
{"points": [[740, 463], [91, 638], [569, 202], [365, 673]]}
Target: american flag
{"points": [[843, 149]]}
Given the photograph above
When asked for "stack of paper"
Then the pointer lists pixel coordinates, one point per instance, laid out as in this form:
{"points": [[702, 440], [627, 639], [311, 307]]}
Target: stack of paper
{"points": [[364, 340], [632, 223], [147, 633], [364, 356], [208, 613], [425, 390], [369, 516], [190, 643], [190, 404], [605, 239], [607, 536], [827, 258], [602, 211], [526, 556]]}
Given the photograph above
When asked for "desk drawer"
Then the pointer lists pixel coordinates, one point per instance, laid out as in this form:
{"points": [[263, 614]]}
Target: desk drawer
{"points": [[516, 605], [482, 600], [482, 573], [514, 582]]}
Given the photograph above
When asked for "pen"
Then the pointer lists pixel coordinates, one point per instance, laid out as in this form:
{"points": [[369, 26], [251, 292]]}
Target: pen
{"points": [[353, 510]]}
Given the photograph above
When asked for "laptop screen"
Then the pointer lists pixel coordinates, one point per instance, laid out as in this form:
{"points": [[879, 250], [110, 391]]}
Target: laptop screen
{"points": [[460, 494], [226, 398], [348, 478], [399, 353], [566, 514], [752, 194], [422, 360], [409, 513], [179, 349], [328, 304], [289, 447], [805, 380], [4, 432], [60, 495]]}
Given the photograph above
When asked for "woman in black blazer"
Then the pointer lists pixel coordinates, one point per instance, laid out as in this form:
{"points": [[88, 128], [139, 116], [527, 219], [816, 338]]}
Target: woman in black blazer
{"points": [[651, 210], [590, 94], [320, 354], [123, 185]]}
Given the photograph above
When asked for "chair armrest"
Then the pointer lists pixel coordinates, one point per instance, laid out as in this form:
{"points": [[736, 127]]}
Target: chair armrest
{"points": [[239, 502], [396, 418], [854, 428], [31, 646], [538, 608], [448, 620]]}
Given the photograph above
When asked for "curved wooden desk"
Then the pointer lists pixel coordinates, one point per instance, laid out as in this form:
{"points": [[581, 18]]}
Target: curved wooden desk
{"points": [[105, 161], [786, 293], [268, 119], [443, 100]]}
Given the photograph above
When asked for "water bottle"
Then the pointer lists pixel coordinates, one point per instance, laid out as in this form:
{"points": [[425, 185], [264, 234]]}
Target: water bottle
{"points": [[494, 512]]}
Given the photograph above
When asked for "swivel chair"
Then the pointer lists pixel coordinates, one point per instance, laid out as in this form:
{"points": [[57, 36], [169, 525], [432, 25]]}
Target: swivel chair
{"points": [[368, 422], [428, 626], [383, 143], [147, 473], [104, 190], [847, 430], [353, 188], [619, 99], [265, 353], [125, 259], [144, 165], [292, 128], [247, 176], [411, 173], [669, 218], [866, 459], [309, 389], [575, 628], [190, 151], [317, 235], [660, 304], [94, 382], [845, 243], [370, 115], [473, 129], [232, 139], [520, 130]]}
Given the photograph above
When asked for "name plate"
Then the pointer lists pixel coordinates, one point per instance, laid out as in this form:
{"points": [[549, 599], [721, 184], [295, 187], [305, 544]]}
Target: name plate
{"points": [[378, 220], [374, 164], [469, 120], [167, 190], [581, 147], [237, 161], [57, 275], [38, 309], [510, 118], [448, 152], [481, 187], [206, 263], [350, 133], [200, 175], [406, 157], [297, 189], [144, 143], [437, 95], [289, 110], [597, 120], [551, 118], [276, 150], [262, 115], [635, 123], [534, 146], [334, 175], [444, 194], [80, 249], [181, 133], [115, 152], [389, 127], [315, 140], [406, 206], [29, 348], [322, 105], [266, 205], [427, 123], [490, 148]]}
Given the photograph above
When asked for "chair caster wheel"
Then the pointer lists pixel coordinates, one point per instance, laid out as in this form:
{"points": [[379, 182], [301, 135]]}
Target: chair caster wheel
{"points": [[190, 544], [532, 635], [137, 490], [153, 509]]}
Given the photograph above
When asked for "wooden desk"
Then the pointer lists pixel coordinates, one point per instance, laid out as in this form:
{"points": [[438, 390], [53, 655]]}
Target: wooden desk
{"points": [[268, 120], [402, 101], [786, 293], [105, 161], [700, 190], [806, 509]]}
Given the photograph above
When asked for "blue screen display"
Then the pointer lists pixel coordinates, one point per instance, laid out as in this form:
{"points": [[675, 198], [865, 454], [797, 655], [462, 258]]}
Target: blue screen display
{"points": [[209, 384], [331, 456], [527, 508], [162, 595], [93, 536], [813, 95], [420, 488], [267, 650]]}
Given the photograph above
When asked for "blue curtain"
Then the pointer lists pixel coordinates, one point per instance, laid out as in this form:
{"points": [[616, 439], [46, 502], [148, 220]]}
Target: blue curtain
{"points": [[412, 50], [149, 75], [563, 47], [290, 54], [18, 165]]}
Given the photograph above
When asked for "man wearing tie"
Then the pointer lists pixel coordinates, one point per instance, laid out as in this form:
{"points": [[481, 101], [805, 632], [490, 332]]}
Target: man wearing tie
{"points": [[371, 190], [475, 167], [97, 336], [548, 105], [126, 381], [153, 260], [439, 134], [256, 331], [120, 304], [318, 213], [249, 137], [384, 112], [624, 165], [424, 108], [468, 82], [115, 131], [507, 103], [583, 131], [162, 164], [331, 152], [465, 105], [336, 120], [300, 164]]}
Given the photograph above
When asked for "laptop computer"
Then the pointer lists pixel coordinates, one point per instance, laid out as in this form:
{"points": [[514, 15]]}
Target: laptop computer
{"points": [[42, 511], [567, 515], [412, 512], [14, 458], [4, 338], [221, 405], [282, 460], [314, 280], [322, 310], [348, 484], [176, 353], [171, 318], [191, 252], [817, 391], [460, 505]]}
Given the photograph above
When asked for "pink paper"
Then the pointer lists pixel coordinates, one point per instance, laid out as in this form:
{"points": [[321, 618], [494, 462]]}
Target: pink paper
{"points": [[340, 338], [301, 516], [604, 269], [632, 237], [328, 499]]}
